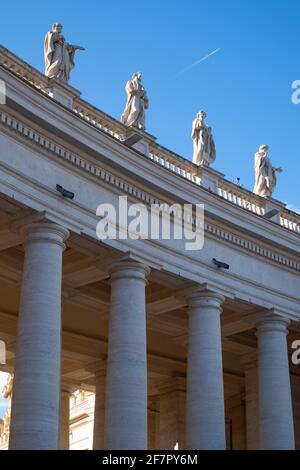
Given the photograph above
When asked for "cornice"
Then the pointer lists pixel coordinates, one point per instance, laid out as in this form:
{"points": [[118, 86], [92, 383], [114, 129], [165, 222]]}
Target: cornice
{"points": [[104, 146], [122, 185], [17, 72]]}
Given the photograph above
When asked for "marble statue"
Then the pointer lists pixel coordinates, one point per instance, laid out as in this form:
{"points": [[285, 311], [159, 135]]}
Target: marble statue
{"points": [[204, 145], [137, 102], [265, 173], [59, 55]]}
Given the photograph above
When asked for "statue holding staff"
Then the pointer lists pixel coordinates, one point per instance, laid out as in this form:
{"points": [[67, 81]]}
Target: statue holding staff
{"points": [[59, 55]]}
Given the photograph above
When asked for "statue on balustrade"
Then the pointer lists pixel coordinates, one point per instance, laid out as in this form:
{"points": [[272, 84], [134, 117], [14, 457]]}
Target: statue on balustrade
{"points": [[137, 102], [204, 145], [59, 55], [265, 173]]}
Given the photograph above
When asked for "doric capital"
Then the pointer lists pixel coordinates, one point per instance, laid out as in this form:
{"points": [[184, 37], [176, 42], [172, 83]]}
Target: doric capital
{"points": [[39, 227], [269, 321], [127, 269], [199, 297], [45, 232]]}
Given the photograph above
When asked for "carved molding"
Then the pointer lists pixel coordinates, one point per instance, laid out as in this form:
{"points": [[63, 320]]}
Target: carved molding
{"points": [[142, 196]]}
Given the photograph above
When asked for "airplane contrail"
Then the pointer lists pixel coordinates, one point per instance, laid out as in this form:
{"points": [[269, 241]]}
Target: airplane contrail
{"points": [[197, 62]]}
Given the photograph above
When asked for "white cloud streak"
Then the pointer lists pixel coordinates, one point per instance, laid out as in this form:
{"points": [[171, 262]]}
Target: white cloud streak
{"points": [[189, 67]]}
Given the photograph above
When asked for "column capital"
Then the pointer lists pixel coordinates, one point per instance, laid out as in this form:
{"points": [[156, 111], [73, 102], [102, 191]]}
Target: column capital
{"points": [[269, 321], [40, 227], [127, 269], [45, 232], [201, 297]]}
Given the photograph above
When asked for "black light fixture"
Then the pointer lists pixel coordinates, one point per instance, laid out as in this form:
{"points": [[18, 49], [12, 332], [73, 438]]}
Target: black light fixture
{"points": [[64, 192], [220, 264]]}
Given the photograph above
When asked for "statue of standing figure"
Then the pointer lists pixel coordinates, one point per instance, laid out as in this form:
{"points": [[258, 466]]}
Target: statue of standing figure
{"points": [[137, 102], [265, 173], [59, 55], [204, 145]]}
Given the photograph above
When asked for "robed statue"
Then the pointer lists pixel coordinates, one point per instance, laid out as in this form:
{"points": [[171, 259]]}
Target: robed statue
{"points": [[265, 173], [137, 102], [204, 145], [59, 55]]}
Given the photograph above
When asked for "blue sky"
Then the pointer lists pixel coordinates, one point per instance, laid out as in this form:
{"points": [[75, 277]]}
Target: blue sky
{"points": [[245, 88], [3, 401]]}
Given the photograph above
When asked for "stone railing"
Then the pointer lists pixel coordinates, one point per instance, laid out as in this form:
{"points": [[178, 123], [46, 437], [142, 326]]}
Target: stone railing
{"points": [[23, 70], [225, 189], [100, 119], [290, 220], [241, 197], [160, 155], [229, 191], [173, 162]]}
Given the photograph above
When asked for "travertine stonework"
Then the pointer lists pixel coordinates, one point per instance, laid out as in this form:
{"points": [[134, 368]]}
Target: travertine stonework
{"points": [[59, 55], [137, 322], [204, 145], [137, 102], [265, 173]]}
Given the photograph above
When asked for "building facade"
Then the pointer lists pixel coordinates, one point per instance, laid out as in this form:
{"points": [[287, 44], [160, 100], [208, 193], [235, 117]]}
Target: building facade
{"points": [[183, 349], [80, 423]]}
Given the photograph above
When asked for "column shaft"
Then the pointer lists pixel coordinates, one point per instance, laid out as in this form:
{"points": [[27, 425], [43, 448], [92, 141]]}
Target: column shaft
{"points": [[205, 394], [36, 397], [274, 390], [65, 420], [172, 415], [126, 386], [252, 420], [99, 415]]}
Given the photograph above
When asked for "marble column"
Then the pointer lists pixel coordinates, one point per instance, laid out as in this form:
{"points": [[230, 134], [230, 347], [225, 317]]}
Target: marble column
{"points": [[65, 419], [126, 381], [205, 425], [276, 426], [295, 385], [153, 423], [36, 398], [172, 415], [251, 398], [236, 418], [98, 433]]}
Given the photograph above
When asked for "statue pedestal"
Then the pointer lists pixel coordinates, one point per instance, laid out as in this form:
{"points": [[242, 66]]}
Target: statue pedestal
{"points": [[63, 93], [272, 209], [209, 178], [139, 140]]}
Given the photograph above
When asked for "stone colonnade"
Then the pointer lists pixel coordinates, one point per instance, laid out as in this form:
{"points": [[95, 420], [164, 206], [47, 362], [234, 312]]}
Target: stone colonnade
{"points": [[40, 406]]}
